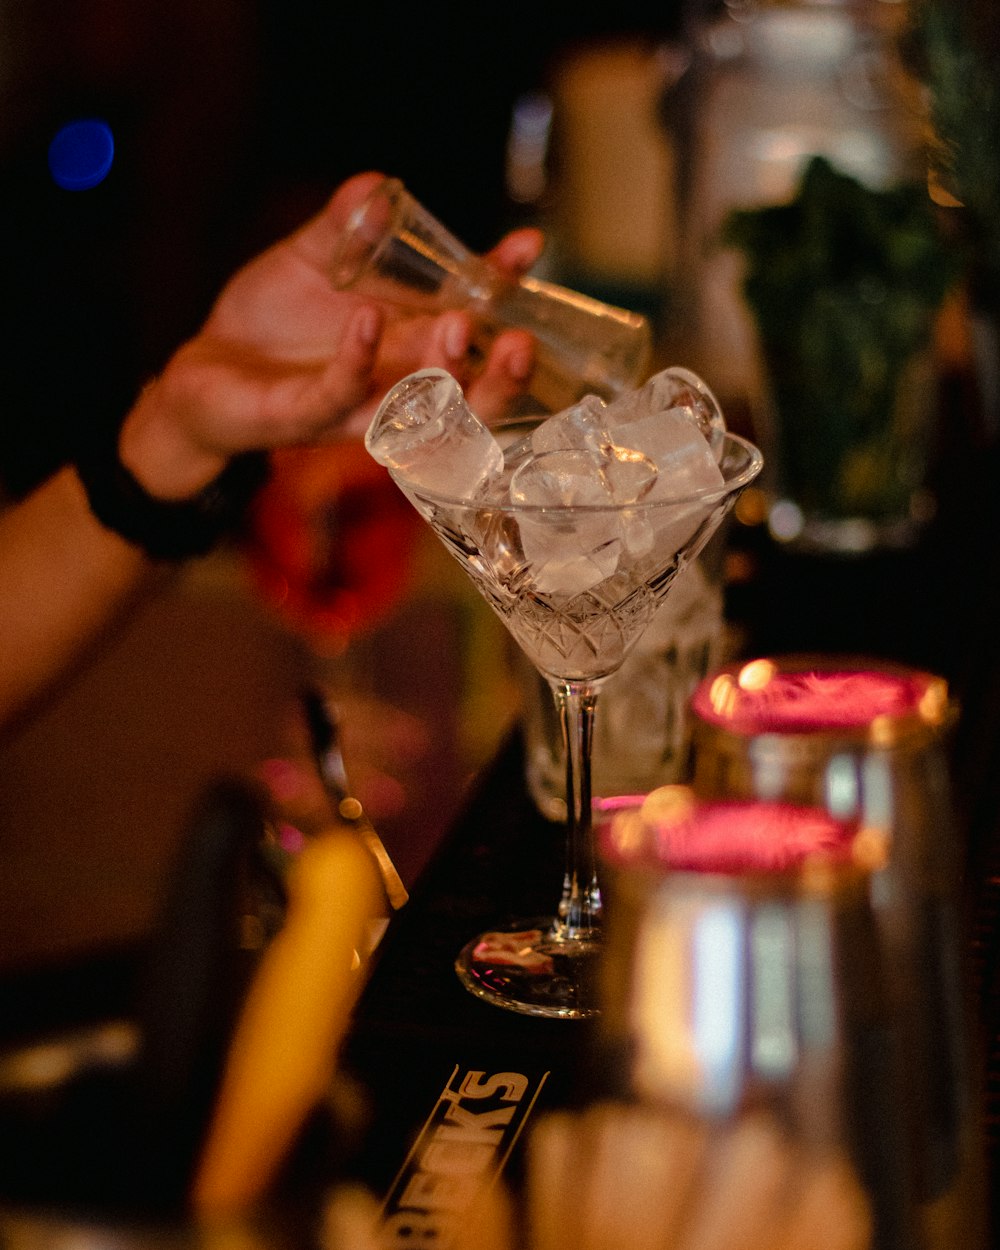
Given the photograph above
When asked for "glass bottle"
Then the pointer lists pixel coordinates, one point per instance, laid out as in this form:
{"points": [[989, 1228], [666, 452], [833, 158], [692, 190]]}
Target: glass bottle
{"points": [[770, 85], [746, 1018], [866, 743]]}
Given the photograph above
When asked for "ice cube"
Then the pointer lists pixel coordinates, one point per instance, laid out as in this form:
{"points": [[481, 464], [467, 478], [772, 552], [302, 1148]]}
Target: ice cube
{"points": [[573, 540], [685, 467], [630, 475], [665, 528], [564, 478], [582, 426], [670, 439], [516, 450], [425, 431], [672, 419], [678, 389], [563, 431]]}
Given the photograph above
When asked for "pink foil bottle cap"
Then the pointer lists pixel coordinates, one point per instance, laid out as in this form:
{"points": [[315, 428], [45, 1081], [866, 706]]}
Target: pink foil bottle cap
{"points": [[882, 702], [672, 829]]}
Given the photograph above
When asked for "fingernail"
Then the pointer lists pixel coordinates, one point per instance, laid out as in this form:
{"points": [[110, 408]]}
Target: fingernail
{"points": [[520, 364], [524, 251], [367, 324], [455, 339]]}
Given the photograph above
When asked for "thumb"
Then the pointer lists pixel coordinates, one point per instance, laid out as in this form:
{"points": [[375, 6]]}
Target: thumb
{"points": [[314, 241]]}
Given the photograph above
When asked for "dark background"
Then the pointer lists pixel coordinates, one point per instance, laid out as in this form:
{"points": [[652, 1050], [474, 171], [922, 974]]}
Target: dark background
{"points": [[233, 120]]}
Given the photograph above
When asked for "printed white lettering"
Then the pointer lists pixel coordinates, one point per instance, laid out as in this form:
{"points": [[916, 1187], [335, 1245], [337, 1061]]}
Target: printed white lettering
{"points": [[458, 1153], [476, 1125], [456, 1158], [510, 1086], [431, 1191]]}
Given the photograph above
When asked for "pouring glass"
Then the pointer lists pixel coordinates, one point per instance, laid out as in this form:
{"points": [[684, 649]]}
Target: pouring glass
{"points": [[392, 249]]}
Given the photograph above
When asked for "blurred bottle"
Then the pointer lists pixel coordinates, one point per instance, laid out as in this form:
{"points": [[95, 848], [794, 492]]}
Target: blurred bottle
{"points": [[745, 1012], [588, 161], [866, 744], [769, 84], [642, 731]]}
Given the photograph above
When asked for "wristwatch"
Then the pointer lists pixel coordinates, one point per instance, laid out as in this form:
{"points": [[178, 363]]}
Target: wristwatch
{"points": [[167, 529]]}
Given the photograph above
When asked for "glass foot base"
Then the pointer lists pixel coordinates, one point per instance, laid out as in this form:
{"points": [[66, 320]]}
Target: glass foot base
{"points": [[532, 971]]}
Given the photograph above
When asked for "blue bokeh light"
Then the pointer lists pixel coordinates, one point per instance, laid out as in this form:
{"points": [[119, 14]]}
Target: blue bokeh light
{"points": [[81, 154]]}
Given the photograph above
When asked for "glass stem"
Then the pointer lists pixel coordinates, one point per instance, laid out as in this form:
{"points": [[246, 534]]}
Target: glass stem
{"points": [[579, 915]]}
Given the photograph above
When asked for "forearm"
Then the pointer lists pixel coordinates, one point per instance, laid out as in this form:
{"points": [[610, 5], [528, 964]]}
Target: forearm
{"points": [[64, 581]]}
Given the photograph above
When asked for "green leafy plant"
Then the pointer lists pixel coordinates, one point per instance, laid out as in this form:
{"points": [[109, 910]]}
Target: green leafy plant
{"points": [[956, 49], [844, 283]]}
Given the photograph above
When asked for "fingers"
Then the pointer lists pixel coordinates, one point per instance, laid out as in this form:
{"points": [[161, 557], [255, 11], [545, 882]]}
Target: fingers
{"points": [[314, 241], [514, 255], [217, 398], [517, 252], [412, 342], [451, 341], [316, 404], [504, 377], [449, 345], [494, 373], [491, 382], [265, 403]]}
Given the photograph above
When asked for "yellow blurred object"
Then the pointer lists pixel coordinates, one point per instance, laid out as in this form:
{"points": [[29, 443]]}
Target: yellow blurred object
{"points": [[286, 1043]]}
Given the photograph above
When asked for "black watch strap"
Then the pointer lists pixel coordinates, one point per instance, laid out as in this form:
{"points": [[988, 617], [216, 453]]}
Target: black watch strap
{"points": [[167, 529]]}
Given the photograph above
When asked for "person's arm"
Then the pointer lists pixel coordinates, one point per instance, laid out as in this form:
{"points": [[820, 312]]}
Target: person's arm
{"points": [[64, 579], [283, 359]]}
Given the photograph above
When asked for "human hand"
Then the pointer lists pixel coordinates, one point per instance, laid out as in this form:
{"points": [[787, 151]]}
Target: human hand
{"points": [[284, 359]]}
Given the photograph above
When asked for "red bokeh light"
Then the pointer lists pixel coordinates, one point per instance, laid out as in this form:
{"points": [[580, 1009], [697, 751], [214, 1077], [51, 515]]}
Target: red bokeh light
{"points": [[330, 541]]}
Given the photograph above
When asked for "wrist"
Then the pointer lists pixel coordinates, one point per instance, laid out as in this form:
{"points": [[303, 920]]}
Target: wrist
{"points": [[154, 447], [171, 505]]}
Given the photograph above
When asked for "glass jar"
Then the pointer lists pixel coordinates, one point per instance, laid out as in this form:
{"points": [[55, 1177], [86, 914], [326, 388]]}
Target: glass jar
{"points": [[866, 744], [771, 86], [744, 1001], [641, 734]]}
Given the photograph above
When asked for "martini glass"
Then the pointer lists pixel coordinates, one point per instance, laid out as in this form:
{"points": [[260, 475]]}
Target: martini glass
{"points": [[575, 585]]}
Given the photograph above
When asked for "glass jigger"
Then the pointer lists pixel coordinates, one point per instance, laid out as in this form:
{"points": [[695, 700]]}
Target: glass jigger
{"points": [[575, 583], [865, 742], [746, 1020], [393, 249]]}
